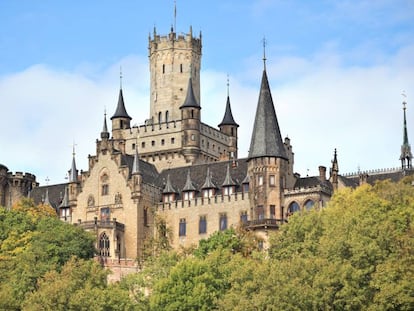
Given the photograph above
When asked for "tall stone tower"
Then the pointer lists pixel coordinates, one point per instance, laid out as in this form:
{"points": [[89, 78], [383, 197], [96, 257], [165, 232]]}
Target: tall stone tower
{"points": [[173, 60], [268, 166]]}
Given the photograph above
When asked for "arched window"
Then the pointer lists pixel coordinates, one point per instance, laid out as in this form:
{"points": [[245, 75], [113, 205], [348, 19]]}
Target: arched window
{"points": [[166, 116], [309, 204], [104, 245], [159, 117], [293, 207]]}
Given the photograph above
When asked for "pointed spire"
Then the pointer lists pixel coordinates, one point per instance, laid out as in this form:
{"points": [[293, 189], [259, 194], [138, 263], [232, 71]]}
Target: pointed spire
{"points": [[47, 201], [228, 116], [189, 185], [120, 109], [406, 155], [135, 164], [65, 201], [105, 133], [335, 166], [168, 186], [73, 172], [228, 181], [190, 100], [266, 138], [209, 184]]}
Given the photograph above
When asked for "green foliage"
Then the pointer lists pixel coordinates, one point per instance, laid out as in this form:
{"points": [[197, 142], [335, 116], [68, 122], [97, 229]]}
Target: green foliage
{"points": [[32, 244]]}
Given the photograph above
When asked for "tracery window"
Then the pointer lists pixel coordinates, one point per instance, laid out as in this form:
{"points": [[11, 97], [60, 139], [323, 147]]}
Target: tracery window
{"points": [[104, 245], [223, 222], [309, 204], [293, 207]]}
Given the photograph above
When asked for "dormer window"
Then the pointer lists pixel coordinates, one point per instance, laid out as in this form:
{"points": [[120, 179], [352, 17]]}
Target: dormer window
{"points": [[208, 193], [188, 195], [228, 190], [169, 197]]}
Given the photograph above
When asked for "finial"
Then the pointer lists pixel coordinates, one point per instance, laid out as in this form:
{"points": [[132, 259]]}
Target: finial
{"points": [[264, 53], [228, 86], [47, 180], [73, 149], [175, 15], [404, 98]]}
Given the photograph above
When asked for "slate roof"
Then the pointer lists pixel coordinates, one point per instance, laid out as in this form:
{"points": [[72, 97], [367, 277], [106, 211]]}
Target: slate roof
{"points": [[190, 100], [394, 176], [310, 182], [198, 173], [120, 111], [228, 116], [266, 138], [148, 171], [56, 194]]}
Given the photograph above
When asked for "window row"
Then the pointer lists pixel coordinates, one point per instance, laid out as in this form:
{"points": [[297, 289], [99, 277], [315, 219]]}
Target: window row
{"points": [[202, 223], [153, 143], [295, 207]]}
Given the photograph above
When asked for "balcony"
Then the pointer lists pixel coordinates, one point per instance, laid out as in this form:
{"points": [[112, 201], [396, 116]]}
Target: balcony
{"points": [[264, 224], [101, 224]]}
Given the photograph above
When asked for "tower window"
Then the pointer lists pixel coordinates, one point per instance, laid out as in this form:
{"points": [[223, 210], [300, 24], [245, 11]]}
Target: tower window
{"points": [[166, 116], [181, 68], [272, 180], [133, 146], [163, 68], [104, 245], [172, 140], [232, 131], [153, 143], [192, 114], [162, 142], [159, 117], [105, 189], [260, 180]]}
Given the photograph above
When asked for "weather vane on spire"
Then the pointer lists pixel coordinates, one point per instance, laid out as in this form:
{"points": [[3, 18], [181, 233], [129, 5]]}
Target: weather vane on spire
{"points": [[73, 148], [405, 97], [228, 85]]}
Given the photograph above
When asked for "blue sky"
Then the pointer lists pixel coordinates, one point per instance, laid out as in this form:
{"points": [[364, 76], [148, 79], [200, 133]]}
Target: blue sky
{"points": [[336, 69]]}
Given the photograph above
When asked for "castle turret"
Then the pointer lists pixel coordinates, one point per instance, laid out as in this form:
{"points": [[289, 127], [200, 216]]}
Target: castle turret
{"points": [[267, 160], [190, 115], [73, 184], [406, 155], [136, 176], [120, 120], [173, 60], [229, 127]]}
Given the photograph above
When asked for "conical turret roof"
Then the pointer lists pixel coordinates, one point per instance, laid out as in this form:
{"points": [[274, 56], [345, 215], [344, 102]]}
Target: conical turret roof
{"points": [[228, 116], [135, 164], [209, 184], [266, 138], [73, 172], [105, 133], [228, 181], [190, 100], [65, 201], [168, 186], [120, 109], [189, 185]]}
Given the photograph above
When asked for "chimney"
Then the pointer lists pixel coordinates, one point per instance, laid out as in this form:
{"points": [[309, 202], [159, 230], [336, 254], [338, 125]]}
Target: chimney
{"points": [[322, 173]]}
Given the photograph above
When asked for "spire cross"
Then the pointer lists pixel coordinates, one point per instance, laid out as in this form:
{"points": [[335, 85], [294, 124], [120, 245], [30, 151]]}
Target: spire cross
{"points": [[120, 77], [228, 85], [264, 52], [47, 180]]}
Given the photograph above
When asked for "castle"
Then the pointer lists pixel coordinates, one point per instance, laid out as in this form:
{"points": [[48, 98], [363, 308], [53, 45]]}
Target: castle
{"points": [[176, 170]]}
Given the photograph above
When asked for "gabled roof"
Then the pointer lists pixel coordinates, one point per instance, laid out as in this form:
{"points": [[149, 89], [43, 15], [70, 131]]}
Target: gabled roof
{"points": [[190, 100], [147, 170], [228, 116], [266, 138], [120, 111], [55, 193]]}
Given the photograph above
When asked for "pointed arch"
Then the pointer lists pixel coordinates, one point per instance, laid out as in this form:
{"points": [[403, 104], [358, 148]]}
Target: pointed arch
{"points": [[104, 245]]}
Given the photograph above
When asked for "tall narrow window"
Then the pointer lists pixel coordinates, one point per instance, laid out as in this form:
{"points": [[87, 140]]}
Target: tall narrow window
{"points": [[202, 225], [104, 245], [272, 180], [260, 213], [243, 217], [163, 68], [181, 68], [145, 217], [105, 189], [166, 116], [182, 231], [260, 180], [159, 117], [223, 222], [272, 211]]}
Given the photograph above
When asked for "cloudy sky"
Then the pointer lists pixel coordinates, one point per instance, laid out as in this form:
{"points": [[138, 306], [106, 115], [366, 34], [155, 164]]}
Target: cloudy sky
{"points": [[336, 69]]}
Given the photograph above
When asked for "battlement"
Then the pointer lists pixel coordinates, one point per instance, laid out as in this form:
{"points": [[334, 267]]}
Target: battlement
{"points": [[217, 200], [174, 38], [373, 172], [21, 176]]}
